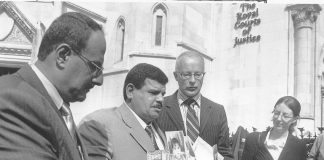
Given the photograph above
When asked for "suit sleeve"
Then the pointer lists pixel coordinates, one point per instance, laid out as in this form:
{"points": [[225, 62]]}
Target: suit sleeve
{"points": [[24, 127], [316, 146], [223, 144], [95, 139]]}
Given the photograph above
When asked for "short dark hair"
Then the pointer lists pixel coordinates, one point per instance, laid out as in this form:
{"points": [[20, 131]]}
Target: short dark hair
{"points": [[140, 72], [72, 28], [291, 102]]}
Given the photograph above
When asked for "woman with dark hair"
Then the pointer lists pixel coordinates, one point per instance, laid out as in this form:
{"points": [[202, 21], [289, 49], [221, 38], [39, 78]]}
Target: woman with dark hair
{"points": [[278, 143]]}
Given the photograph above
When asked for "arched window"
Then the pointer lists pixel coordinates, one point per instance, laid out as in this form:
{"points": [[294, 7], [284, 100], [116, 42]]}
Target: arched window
{"points": [[159, 24], [120, 38]]}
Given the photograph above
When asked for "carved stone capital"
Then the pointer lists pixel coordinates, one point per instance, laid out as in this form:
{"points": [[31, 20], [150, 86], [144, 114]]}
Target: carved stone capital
{"points": [[304, 15], [11, 9]]}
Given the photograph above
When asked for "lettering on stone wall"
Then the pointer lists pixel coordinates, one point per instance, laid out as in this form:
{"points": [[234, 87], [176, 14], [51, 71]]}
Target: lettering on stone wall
{"points": [[246, 19]]}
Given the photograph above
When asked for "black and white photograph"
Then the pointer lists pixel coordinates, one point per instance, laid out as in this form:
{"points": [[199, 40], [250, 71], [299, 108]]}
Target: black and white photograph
{"points": [[176, 144], [117, 80]]}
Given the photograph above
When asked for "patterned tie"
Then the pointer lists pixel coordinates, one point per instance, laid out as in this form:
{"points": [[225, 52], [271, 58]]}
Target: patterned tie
{"points": [[150, 132], [68, 119], [192, 120]]}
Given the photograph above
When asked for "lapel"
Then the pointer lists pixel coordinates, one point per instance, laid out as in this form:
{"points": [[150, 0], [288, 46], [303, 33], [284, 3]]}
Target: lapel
{"points": [[80, 142], [135, 129], [28, 75], [205, 113], [173, 110], [287, 148], [31, 78]]}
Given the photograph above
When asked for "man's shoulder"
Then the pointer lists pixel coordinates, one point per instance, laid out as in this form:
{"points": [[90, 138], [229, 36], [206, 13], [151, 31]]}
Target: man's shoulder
{"points": [[10, 81], [211, 103], [170, 97], [173, 98], [16, 82], [14, 88], [104, 114], [321, 136]]}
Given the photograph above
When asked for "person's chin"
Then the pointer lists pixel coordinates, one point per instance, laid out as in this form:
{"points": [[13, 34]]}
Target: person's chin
{"points": [[155, 115], [190, 93], [81, 97], [278, 127]]}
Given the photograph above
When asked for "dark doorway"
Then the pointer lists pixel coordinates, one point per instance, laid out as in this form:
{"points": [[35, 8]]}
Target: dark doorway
{"points": [[7, 70]]}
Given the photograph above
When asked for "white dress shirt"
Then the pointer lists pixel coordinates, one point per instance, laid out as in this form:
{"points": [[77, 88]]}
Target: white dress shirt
{"points": [[51, 90], [183, 108], [144, 125], [275, 146]]}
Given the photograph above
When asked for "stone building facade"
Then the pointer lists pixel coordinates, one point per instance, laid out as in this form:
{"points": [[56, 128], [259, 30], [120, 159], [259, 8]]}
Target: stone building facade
{"points": [[254, 52]]}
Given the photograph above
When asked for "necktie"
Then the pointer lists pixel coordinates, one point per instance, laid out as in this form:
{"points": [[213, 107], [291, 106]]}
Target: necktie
{"points": [[150, 132], [68, 119], [192, 120]]}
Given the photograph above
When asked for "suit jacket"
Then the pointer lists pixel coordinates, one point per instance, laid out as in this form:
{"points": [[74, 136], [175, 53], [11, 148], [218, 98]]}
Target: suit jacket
{"points": [[255, 148], [213, 122], [116, 134], [31, 128], [317, 150]]}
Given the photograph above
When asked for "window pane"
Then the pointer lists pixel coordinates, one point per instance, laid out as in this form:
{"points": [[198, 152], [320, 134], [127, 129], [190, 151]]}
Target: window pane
{"points": [[158, 31], [120, 42]]}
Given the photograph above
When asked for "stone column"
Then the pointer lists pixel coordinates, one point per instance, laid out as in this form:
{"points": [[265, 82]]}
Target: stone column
{"points": [[304, 17]]}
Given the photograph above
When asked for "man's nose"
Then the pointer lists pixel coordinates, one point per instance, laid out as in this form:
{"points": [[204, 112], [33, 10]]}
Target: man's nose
{"points": [[192, 78], [98, 80], [159, 98], [280, 117]]}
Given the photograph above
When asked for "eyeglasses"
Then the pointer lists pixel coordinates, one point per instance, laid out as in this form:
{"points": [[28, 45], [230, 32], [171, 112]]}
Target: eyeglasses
{"points": [[187, 75], [93, 67], [286, 116]]}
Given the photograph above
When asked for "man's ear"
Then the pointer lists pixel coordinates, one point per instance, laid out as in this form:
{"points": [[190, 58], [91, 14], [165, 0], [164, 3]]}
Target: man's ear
{"points": [[176, 76], [130, 91], [63, 53]]}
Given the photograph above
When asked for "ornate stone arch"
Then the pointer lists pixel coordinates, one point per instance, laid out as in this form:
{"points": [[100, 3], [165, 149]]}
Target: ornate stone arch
{"points": [[16, 41], [120, 33]]}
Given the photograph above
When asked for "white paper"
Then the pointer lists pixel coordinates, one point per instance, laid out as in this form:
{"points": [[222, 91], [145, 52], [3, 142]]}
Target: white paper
{"points": [[203, 151]]}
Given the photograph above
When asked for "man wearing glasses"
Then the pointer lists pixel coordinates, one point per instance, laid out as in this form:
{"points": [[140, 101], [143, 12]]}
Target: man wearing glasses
{"points": [[189, 111], [36, 122]]}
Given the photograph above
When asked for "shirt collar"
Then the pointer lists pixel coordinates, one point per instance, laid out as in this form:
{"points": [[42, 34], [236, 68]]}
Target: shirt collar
{"points": [[142, 123], [278, 142], [50, 88], [181, 98]]}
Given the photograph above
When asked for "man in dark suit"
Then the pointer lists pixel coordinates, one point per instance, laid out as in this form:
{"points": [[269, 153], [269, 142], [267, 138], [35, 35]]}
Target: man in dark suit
{"points": [[35, 119], [129, 131], [189, 111]]}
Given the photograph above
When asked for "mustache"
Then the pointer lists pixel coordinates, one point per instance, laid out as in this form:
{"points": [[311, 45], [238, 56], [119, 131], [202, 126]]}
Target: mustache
{"points": [[158, 105]]}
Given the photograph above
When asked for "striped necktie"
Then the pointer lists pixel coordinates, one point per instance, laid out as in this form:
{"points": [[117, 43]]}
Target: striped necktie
{"points": [[150, 132], [192, 120]]}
